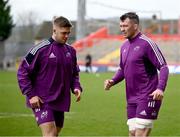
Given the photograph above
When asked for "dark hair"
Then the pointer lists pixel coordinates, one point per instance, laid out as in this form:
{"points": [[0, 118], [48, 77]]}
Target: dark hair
{"points": [[61, 22], [132, 16]]}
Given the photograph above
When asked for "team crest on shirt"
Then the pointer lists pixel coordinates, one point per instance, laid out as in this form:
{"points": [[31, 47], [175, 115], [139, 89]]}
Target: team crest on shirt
{"points": [[136, 48], [68, 54], [44, 114]]}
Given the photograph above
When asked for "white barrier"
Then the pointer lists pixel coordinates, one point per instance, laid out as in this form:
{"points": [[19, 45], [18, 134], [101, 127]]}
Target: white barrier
{"points": [[173, 69]]}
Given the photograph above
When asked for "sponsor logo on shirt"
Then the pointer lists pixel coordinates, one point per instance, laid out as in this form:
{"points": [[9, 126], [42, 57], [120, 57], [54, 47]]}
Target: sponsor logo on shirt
{"points": [[44, 114], [143, 113], [52, 55]]}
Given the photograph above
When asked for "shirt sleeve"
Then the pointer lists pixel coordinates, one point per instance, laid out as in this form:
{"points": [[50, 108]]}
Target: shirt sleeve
{"points": [[25, 73], [75, 76], [155, 56], [119, 75]]}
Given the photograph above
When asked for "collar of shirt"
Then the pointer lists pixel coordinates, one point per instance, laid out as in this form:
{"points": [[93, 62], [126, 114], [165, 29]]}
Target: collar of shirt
{"points": [[55, 42], [133, 39]]}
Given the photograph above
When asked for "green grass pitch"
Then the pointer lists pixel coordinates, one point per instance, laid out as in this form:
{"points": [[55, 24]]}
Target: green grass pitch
{"points": [[99, 113]]}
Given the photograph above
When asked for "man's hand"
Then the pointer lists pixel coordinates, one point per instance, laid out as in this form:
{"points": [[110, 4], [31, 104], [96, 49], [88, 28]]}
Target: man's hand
{"points": [[77, 93], [36, 102], [157, 94], [108, 84]]}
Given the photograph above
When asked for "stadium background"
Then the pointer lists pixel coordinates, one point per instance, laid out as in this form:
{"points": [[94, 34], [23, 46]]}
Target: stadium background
{"points": [[99, 113]]}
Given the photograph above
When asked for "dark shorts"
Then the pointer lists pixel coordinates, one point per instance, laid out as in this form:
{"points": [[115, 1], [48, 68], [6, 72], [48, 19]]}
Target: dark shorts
{"points": [[146, 109], [46, 114]]}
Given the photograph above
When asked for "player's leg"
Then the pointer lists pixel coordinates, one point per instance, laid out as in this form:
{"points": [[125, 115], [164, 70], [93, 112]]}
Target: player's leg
{"points": [[48, 129], [86, 67], [59, 120], [90, 67], [132, 126], [58, 130], [143, 132], [131, 114], [143, 127], [146, 113], [45, 120]]}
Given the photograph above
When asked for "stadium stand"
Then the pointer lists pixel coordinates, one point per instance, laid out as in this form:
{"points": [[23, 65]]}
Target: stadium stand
{"points": [[105, 48]]}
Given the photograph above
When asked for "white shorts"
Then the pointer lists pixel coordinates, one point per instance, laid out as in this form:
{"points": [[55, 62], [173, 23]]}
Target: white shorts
{"points": [[140, 123]]}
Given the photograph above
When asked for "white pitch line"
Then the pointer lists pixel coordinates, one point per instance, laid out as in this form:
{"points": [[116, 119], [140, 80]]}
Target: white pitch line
{"points": [[12, 115]]}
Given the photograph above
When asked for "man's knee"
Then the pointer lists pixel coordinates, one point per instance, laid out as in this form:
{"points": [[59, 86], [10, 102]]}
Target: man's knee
{"points": [[132, 133], [51, 133], [49, 129], [142, 132]]}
